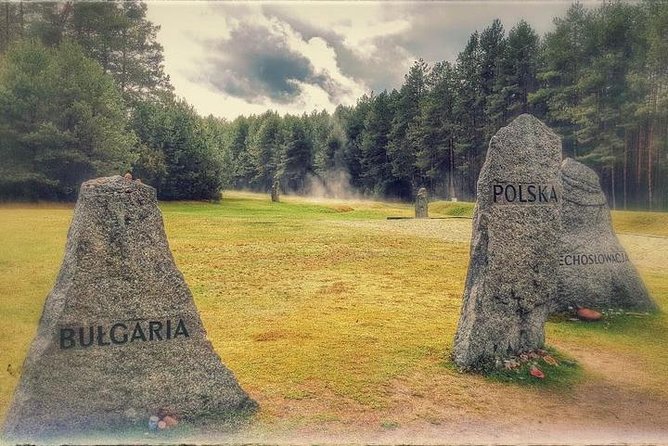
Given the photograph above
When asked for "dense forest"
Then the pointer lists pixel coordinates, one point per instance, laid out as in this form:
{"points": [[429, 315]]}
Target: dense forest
{"points": [[83, 93]]}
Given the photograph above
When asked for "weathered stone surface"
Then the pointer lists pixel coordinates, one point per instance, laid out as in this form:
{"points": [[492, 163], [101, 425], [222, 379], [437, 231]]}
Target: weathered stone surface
{"points": [[594, 269], [422, 204], [514, 249], [118, 272], [275, 192]]}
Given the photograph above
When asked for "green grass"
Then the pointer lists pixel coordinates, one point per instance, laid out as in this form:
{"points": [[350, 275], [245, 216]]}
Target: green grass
{"points": [[649, 223], [323, 295], [322, 312], [563, 374], [448, 208]]}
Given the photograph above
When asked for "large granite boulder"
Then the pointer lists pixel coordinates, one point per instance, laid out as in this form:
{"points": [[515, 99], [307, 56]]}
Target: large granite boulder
{"points": [[514, 250], [422, 204], [120, 338], [594, 269], [275, 191]]}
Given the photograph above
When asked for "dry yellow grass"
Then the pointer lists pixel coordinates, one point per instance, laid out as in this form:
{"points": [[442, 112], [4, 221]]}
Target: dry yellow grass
{"points": [[339, 322], [648, 223]]}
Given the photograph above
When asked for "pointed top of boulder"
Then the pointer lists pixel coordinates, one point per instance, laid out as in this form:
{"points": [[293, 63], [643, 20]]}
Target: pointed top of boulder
{"points": [[525, 126], [527, 119], [577, 174], [581, 186], [524, 150], [113, 182]]}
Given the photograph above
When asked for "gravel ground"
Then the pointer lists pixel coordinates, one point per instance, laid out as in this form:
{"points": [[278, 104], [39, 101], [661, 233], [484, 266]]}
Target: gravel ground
{"points": [[456, 230], [646, 251]]}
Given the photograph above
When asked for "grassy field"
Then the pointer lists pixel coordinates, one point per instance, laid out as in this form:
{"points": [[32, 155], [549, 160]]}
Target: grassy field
{"points": [[339, 322]]}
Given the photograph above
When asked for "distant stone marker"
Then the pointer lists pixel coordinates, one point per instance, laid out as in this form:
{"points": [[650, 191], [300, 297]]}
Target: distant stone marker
{"points": [[594, 269], [422, 204], [514, 250], [275, 192], [120, 337]]}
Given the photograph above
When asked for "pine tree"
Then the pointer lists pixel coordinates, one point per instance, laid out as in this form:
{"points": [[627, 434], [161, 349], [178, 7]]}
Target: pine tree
{"points": [[297, 156], [434, 136], [62, 122], [116, 34], [566, 53], [352, 121], [469, 116], [517, 76], [171, 131], [406, 113], [124, 42], [237, 142], [265, 151], [491, 52], [376, 165]]}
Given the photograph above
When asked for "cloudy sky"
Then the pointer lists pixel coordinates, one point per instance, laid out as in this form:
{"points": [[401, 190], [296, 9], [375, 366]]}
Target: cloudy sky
{"points": [[229, 59]]}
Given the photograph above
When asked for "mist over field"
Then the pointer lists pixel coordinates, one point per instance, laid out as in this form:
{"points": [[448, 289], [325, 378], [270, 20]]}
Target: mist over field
{"points": [[331, 184]]}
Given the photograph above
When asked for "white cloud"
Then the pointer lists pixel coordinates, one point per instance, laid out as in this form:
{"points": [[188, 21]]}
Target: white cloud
{"points": [[340, 50], [362, 37], [186, 55]]}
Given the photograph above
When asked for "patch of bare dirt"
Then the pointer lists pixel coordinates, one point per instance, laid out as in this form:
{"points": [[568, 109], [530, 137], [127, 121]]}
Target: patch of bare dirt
{"points": [[434, 406], [646, 251]]}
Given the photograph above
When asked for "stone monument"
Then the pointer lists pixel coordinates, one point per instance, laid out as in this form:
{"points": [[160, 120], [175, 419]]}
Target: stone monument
{"points": [[515, 246], [594, 269], [422, 204], [275, 192], [120, 338]]}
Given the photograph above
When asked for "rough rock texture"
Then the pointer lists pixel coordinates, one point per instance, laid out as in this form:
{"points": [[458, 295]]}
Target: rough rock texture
{"points": [[275, 192], [422, 204], [118, 269], [594, 269], [514, 248]]}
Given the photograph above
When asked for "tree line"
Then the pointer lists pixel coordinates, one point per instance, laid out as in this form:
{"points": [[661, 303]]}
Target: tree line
{"points": [[83, 93]]}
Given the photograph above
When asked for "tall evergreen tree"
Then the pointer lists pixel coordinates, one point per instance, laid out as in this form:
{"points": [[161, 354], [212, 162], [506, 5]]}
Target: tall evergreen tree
{"points": [[491, 52], [469, 119], [406, 113], [518, 74], [352, 121], [265, 151], [434, 136], [116, 34], [176, 134], [377, 174], [238, 137], [297, 156], [119, 36], [567, 52], [61, 122]]}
